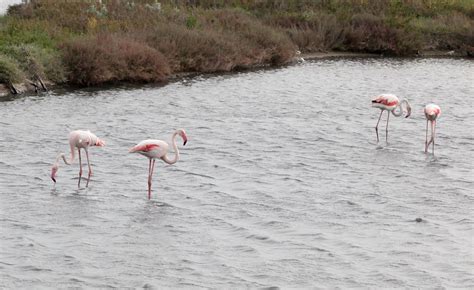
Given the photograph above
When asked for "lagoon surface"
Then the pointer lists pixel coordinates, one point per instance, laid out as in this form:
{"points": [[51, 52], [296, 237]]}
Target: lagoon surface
{"points": [[5, 3], [281, 183]]}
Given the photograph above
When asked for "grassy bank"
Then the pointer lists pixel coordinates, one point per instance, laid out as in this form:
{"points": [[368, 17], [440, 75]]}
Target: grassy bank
{"points": [[90, 43]]}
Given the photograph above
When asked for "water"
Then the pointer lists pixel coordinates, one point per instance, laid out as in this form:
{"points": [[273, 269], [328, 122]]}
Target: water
{"points": [[5, 3], [281, 183]]}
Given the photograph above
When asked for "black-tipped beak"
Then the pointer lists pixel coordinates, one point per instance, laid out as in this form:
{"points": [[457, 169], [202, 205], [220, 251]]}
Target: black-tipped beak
{"points": [[53, 179], [185, 141]]}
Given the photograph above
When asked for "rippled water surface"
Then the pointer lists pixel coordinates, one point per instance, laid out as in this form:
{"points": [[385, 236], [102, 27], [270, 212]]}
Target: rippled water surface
{"points": [[281, 182]]}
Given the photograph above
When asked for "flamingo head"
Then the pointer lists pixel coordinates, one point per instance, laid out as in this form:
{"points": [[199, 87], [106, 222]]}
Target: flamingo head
{"points": [[99, 143], [408, 110], [182, 134], [54, 170]]}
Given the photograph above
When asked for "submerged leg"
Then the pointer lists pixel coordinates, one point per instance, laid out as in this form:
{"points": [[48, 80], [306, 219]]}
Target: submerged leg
{"points": [[386, 128], [426, 138], [89, 166], [377, 126], [149, 179], [80, 167], [433, 132]]}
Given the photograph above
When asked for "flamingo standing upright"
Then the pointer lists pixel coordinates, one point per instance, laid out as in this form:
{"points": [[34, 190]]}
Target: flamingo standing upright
{"points": [[389, 102], [78, 139], [432, 112], [158, 149]]}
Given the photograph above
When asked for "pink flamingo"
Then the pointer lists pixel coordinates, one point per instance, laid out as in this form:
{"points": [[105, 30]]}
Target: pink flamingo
{"points": [[158, 149], [389, 102], [81, 140], [432, 112]]}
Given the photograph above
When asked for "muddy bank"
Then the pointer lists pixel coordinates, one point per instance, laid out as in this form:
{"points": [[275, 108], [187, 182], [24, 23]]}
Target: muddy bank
{"points": [[29, 88]]}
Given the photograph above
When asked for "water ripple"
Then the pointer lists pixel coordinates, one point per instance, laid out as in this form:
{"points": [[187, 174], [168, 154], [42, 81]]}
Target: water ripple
{"points": [[281, 184]]}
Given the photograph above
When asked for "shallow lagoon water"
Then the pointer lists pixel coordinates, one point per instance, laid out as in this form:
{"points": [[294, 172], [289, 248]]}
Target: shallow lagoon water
{"points": [[281, 183]]}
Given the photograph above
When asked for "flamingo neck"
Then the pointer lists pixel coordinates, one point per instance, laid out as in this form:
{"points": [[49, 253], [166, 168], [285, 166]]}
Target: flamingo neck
{"points": [[400, 109], [63, 156], [176, 151]]}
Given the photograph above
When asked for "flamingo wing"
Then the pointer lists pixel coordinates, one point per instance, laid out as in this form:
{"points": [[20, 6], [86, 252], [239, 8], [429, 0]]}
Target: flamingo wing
{"points": [[385, 101], [151, 148]]}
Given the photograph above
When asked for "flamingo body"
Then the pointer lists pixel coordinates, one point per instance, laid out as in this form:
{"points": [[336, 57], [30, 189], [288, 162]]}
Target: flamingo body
{"points": [[389, 103], [432, 112], [151, 148], [158, 149], [84, 139], [78, 139], [386, 102]]}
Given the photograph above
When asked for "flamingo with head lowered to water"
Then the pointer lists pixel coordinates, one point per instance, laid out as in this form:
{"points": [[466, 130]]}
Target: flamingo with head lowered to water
{"points": [[389, 103], [78, 140], [154, 149], [432, 112]]}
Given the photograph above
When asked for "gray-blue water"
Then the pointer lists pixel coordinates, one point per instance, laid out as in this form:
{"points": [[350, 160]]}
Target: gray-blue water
{"points": [[5, 3], [281, 183]]}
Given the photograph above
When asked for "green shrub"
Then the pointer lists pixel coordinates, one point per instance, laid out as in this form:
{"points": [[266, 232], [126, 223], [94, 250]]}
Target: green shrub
{"points": [[36, 61], [9, 70]]}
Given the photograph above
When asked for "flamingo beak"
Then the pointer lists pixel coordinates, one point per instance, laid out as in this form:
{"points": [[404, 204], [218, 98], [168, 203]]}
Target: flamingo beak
{"points": [[408, 112], [100, 143], [53, 173], [185, 138]]}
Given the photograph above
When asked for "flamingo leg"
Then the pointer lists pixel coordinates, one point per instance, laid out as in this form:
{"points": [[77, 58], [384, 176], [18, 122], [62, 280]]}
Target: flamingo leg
{"points": [[153, 167], [151, 176], [426, 138], [432, 136], [433, 131], [149, 179], [386, 127], [89, 167], [377, 126], [80, 167]]}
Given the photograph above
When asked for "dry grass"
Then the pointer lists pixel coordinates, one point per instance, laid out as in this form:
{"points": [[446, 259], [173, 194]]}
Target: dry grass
{"points": [[317, 31], [105, 59]]}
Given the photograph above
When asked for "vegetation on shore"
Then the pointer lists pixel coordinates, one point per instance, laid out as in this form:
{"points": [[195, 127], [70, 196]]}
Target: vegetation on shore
{"points": [[93, 42]]}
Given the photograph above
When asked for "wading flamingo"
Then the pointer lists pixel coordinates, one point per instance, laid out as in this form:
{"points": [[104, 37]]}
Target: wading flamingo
{"points": [[78, 140], [389, 102], [432, 112], [158, 149]]}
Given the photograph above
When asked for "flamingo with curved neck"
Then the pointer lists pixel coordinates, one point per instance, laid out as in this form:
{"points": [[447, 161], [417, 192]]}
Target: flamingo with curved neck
{"points": [[389, 103], [154, 149], [78, 140]]}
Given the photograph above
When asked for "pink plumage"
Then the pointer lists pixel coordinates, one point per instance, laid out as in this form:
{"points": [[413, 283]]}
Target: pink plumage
{"points": [[158, 149], [389, 102], [432, 112], [78, 139]]}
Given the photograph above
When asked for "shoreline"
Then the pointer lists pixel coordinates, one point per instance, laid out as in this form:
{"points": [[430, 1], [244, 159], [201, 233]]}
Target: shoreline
{"points": [[26, 88], [336, 54]]}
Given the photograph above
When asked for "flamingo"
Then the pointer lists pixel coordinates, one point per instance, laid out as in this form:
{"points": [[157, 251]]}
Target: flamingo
{"points": [[158, 149], [78, 139], [432, 112], [389, 102]]}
